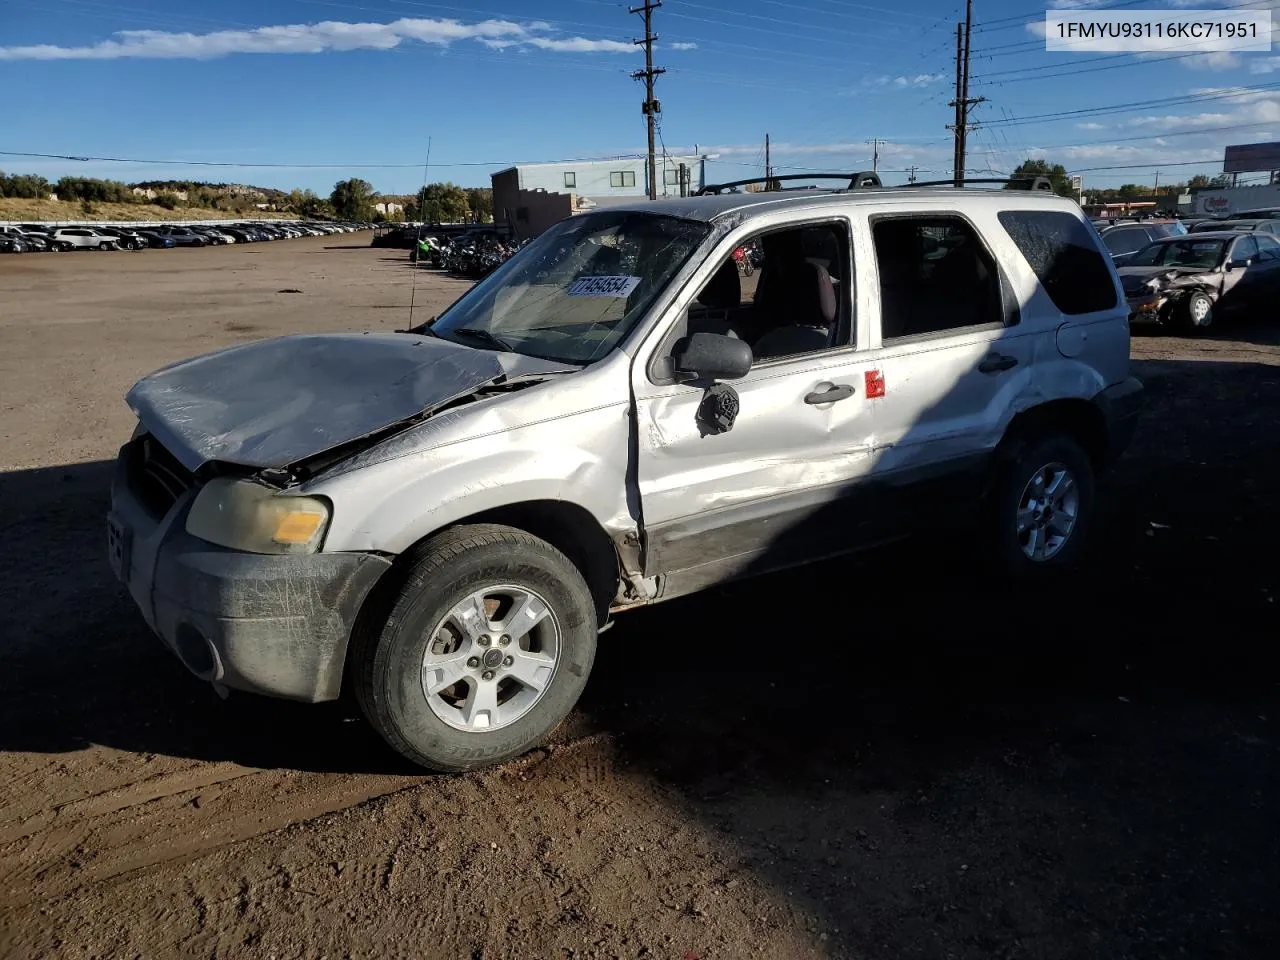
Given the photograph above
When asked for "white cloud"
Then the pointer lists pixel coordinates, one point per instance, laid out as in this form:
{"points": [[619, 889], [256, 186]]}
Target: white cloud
{"points": [[317, 38], [579, 45], [909, 80], [1218, 60], [1091, 126], [682, 46], [919, 80]]}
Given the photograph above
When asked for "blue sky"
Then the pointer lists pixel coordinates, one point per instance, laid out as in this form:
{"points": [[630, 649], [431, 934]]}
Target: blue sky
{"points": [[362, 84]]}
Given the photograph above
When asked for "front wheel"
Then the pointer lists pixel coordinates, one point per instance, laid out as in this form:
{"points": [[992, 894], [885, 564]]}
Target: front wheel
{"points": [[485, 650], [1042, 506], [104, 245], [1193, 313]]}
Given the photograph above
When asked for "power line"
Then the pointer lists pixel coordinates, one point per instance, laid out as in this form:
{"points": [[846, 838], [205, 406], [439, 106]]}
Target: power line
{"points": [[304, 166], [987, 26], [859, 6], [1037, 73], [1161, 136], [1140, 105]]}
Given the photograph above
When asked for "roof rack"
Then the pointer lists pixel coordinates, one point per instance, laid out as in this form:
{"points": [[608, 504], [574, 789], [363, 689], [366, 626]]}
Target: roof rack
{"points": [[1016, 183], [861, 180], [869, 179]]}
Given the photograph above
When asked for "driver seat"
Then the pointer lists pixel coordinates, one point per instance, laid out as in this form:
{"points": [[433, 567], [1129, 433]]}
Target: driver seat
{"points": [[809, 315]]}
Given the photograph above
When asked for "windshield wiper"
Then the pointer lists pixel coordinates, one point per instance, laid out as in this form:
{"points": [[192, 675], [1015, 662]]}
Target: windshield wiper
{"points": [[484, 336]]}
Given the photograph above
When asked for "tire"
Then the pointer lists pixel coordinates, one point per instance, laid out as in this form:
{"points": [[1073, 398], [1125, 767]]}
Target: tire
{"points": [[387, 657], [1193, 313], [1017, 526], [104, 245]]}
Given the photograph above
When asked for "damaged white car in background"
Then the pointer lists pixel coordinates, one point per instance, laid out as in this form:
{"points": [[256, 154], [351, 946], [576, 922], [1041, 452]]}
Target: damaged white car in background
{"points": [[1185, 282]]}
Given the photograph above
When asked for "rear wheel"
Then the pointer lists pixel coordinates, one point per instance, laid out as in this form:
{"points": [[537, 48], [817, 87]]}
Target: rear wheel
{"points": [[1042, 506], [485, 649]]}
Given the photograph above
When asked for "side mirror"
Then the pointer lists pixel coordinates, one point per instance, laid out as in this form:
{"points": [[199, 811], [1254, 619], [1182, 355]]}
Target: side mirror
{"points": [[712, 356], [1237, 265]]}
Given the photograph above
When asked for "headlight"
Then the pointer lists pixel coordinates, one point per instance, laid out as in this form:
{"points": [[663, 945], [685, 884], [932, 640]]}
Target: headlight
{"points": [[254, 518]]}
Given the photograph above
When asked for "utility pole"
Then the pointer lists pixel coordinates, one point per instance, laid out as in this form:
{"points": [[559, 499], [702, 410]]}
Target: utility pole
{"points": [[651, 107], [962, 101], [875, 153], [911, 173], [956, 162], [768, 167], [1156, 188]]}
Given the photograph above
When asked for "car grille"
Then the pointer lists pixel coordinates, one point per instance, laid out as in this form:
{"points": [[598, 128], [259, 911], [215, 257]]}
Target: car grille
{"points": [[156, 476]]}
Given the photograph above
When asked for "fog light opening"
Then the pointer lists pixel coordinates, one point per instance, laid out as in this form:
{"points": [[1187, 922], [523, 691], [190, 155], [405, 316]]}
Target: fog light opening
{"points": [[197, 653]]}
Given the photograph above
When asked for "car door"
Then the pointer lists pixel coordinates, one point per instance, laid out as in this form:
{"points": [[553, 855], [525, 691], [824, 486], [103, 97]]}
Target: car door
{"points": [[1245, 281], [949, 353], [782, 485], [1267, 267]]}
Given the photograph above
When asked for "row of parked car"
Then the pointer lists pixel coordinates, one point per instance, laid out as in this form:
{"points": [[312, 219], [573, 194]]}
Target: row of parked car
{"points": [[1126, 236], [40, 238]]}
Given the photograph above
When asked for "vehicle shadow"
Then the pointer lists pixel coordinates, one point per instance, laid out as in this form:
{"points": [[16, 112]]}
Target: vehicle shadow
{"points": [[79, 666], [935, 763]]}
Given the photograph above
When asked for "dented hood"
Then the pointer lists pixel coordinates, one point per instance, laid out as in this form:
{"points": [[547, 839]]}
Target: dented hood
{"points": [[1134, 279], [276, 402]]}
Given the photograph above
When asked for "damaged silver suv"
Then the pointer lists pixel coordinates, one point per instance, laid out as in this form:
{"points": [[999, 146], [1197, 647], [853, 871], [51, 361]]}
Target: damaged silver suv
{"points": [[443, 519]]}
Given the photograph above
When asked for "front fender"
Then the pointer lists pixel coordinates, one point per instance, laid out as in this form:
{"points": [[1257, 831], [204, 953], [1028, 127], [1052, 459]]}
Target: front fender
{"points": [[390, 505]]}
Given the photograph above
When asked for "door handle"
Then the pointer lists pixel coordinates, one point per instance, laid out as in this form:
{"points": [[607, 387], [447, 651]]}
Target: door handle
{"points": [[830, 395], [997, 363]]}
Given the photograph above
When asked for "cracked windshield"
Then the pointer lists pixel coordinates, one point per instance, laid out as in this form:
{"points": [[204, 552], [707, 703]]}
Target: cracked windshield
{"points": [[576, 291]]}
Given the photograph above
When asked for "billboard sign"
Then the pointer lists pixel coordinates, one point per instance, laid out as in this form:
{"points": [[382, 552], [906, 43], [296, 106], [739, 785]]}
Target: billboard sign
{"points": [[1251, 158]]}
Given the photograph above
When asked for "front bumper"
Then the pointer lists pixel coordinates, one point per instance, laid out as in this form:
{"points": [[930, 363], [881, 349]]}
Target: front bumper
{"points": [[274, 625], [1146, 307], [1121, 404]]}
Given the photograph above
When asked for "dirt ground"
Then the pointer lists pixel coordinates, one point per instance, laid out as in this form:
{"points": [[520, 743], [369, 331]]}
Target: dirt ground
{"points": [[964, 771]]}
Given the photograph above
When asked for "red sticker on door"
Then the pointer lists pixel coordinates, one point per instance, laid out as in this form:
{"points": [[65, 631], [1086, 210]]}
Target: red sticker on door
{"points": [[874, 384]]}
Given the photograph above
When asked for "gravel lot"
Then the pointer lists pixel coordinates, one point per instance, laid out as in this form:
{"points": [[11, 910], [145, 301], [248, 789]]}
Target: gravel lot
{"points": [[1091, 771]]}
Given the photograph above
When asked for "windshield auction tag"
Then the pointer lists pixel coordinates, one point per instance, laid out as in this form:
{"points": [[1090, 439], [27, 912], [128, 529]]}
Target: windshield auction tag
{"points": [[619, 287]]}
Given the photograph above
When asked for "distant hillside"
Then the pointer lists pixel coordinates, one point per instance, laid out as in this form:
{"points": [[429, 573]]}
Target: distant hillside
{"points": [[18, 209], [236, 190]]}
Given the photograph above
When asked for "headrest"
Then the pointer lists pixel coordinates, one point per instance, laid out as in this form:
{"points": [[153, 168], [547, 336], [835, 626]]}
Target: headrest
{"points": [[815, 297], [724, 290]]}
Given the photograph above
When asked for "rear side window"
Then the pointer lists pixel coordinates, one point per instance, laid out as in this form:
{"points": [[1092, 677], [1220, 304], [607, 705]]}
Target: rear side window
{"points": [[1245, 249], [1129, 240], [1268, 249], [1062, 252]]}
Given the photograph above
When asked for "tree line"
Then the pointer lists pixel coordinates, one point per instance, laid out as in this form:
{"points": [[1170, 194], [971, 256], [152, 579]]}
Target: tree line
{"points": [[435, 203], [1061, 181]]}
